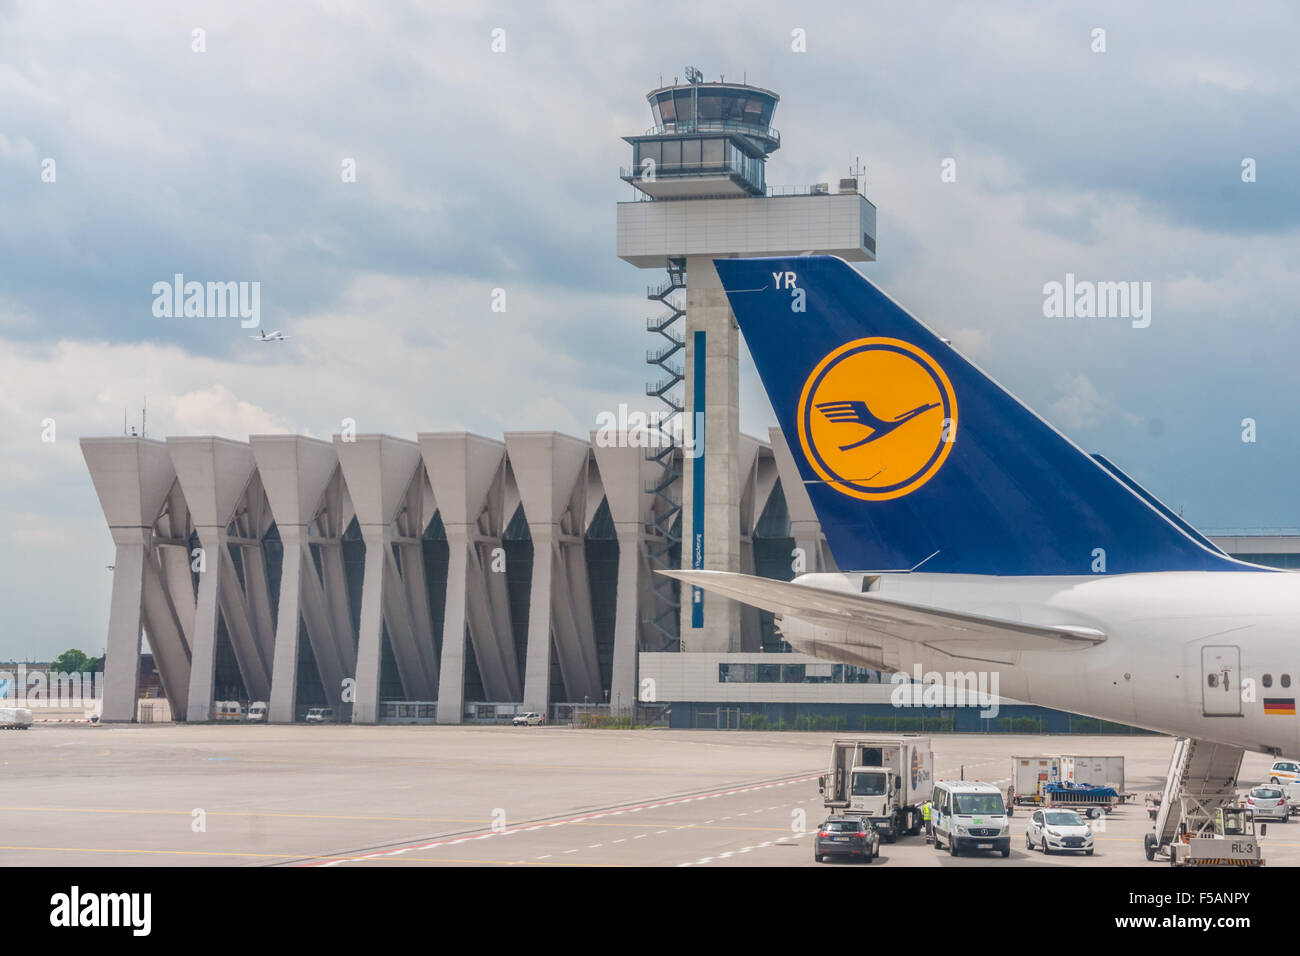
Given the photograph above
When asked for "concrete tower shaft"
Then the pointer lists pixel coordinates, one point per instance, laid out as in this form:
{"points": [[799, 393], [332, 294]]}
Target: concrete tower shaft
{"points": [[702, 194]]}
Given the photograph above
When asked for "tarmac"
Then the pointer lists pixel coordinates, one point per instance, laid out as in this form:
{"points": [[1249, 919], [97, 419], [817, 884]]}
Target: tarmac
{"points": [[348, 796]]}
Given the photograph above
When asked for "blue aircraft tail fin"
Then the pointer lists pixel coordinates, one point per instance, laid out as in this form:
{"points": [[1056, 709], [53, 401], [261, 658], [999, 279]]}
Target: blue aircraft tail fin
{"points": [[915, 459], [1156, 503]]}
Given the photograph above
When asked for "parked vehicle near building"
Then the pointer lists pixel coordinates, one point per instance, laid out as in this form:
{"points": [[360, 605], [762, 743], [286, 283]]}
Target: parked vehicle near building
{"points": [[320, 715], [15, 718], [227, 710]]}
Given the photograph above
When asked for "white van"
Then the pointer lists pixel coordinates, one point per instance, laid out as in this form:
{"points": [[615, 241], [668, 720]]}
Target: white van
{"points": [[257, 711], [969, 816], [228, 710]]}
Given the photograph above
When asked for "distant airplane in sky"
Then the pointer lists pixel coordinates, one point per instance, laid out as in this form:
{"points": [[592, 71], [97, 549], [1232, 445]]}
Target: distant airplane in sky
{"points": [[276, 336]]}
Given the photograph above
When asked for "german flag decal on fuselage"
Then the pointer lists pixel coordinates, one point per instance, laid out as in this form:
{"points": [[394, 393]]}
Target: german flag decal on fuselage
{"points": [[1279, 706]]}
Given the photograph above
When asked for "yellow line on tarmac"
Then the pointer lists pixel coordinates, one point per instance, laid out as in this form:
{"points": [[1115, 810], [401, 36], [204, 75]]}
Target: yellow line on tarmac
{"points": [[647, 824], [632, 822], [443, 859], [469, 764], [95, 849], [246, 813]]}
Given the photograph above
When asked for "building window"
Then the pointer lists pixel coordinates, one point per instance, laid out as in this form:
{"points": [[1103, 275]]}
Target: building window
{"points": [[818, 673], [685, 112]]}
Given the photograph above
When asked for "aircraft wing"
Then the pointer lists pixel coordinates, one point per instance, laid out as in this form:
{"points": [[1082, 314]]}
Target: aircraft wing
{"points": [[944, 630]]}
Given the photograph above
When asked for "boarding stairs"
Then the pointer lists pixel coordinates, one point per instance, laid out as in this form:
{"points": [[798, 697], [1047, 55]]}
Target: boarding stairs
{"points": [[1202, 778]]}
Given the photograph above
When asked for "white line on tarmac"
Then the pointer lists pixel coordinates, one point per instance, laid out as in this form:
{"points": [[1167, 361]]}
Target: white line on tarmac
{"points": [[483, 836]]}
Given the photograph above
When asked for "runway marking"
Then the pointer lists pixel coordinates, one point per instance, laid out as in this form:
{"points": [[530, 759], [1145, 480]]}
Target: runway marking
{"points": [[730, 853], [335, 861]]}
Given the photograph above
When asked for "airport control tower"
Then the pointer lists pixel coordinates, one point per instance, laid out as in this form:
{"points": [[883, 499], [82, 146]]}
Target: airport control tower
{"points": [[700, 175]]}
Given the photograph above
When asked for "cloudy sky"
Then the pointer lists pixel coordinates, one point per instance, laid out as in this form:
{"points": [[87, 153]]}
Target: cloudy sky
{"points": [[479, 170]]}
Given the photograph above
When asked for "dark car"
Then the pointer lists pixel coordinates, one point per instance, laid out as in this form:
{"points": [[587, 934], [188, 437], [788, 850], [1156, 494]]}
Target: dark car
{"points": [[846, 836]]}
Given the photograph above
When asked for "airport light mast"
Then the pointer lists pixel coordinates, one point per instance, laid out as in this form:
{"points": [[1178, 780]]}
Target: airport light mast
{"points": [[701, 178]]}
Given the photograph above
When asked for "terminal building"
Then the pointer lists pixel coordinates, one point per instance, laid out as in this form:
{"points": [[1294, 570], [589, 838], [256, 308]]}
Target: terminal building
{"points": [[454, 577]]}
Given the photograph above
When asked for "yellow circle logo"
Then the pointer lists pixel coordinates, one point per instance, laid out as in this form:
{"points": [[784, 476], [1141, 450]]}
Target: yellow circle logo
{"points": [[877, 418]]}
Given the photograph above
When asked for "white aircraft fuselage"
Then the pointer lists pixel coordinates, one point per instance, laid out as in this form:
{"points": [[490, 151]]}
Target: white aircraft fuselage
{"points": [[1186, 652]]}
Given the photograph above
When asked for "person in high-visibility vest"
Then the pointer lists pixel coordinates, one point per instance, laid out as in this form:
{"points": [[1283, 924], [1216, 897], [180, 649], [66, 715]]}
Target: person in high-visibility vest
{"points": [[925, 817]]}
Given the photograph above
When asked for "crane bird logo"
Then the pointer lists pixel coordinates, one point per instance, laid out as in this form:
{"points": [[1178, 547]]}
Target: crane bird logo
{"points": [[877, 418]]}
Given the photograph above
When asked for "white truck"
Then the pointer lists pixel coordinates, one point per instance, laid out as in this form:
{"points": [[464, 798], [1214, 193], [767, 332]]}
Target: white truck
{"points": [[227, 710], [882, 780], [15, 718]]}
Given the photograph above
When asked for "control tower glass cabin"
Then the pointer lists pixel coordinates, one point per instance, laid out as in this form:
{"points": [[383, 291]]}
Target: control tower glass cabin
{"points": [[709, 140]]}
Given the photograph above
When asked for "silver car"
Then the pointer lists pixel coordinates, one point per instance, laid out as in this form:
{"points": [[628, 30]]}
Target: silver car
{"points": [[1267, 803]]}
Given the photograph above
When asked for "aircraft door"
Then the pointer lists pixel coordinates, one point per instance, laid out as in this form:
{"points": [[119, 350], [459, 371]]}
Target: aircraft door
{"points": [[1221, 680]]}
